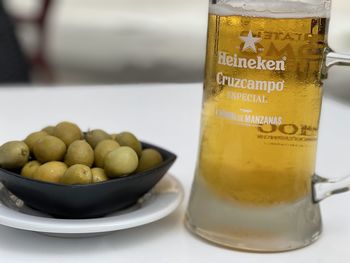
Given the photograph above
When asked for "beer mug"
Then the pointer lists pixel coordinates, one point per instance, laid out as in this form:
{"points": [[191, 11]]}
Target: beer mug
{"points": [[255, 186]]}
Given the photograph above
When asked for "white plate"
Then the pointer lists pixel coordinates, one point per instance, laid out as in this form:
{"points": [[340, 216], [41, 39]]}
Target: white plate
{"points": [[163, 199]]}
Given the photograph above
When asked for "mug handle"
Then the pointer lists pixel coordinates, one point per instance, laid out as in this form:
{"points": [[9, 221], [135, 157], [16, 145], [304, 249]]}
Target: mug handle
{"points": [[325, 187]]}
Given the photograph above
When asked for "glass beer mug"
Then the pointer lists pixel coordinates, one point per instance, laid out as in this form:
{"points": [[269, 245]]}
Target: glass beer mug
{"points": [[255, 186]]}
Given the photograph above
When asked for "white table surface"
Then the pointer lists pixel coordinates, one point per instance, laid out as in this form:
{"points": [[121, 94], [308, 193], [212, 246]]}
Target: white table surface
{"points": [[167, 115]]}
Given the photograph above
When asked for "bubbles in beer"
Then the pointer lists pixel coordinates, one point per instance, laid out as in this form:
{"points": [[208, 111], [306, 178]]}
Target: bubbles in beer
{"points": [[262, 104]]}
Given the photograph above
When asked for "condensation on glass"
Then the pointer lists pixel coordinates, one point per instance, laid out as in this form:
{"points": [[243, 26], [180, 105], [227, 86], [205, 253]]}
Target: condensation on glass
{"points": [[255, 186]]}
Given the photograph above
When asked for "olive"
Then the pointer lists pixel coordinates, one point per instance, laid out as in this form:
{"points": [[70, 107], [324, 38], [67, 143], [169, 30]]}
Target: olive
{"points": [[114, 136], [98, 175], [49, 148], [50, 172], [121, 161], [149, 159], [33, 138], [129, 139], [93, 137], [77, 174], [68, 132], [29, 169], [102, 149], [50, 130], [79, 152], [13, 155]]}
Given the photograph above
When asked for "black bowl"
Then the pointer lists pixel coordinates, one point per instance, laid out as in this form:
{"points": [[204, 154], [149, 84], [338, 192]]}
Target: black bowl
{"points": [[86, 201]]}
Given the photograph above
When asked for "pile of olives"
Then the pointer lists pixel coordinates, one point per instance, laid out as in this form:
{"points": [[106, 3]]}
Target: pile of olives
{"points": [[64, 154]]}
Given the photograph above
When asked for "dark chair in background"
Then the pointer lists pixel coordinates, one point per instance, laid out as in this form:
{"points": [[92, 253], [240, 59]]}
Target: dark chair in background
{"points": [[38, 61], [13, 64]]}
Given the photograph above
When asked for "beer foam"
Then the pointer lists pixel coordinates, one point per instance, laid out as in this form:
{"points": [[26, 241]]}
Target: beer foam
{"points": [[271, 8]]}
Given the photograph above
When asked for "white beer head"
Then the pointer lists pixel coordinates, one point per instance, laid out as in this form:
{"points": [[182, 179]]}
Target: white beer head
{"points": [[272, 8]]}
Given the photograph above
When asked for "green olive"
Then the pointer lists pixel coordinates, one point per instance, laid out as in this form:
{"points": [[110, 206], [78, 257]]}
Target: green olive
{"points": [[77, 174], [50, 130], [93, 137], [49, 148], [149, 159], [79, 152], [13, 155], [68, 132], [102, 149], [50, 172], [129, 139], [98, 175], [29, 169], [114, 136], [120, 162], [33, 138]]}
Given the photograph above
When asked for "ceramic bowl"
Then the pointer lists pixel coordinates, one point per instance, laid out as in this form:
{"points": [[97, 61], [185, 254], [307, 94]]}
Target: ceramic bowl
{"points": [[87, 201]]}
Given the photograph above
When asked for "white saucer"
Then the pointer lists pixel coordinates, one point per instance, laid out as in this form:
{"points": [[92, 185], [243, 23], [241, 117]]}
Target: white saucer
{"points": [[163, 199]]}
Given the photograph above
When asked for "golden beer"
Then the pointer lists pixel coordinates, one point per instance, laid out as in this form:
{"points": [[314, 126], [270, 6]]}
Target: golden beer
{"points": [[262, 99], [255, 186]]}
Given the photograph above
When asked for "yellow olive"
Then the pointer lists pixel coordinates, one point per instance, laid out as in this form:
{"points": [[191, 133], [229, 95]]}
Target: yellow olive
{"points": [[79, 152], [149, 159], [77, 174], [129, 139], [93, 137], [68, 132], [50, 172], [29, 169], [114, 136], [49, 148], [13, 155], [98, 175], [33, 138], [102, 149], [121, 161], [50, 130]]}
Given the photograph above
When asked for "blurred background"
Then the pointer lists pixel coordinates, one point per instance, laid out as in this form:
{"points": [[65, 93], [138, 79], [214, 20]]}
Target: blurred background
{"points": [[110, 41], [114, 41]]}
